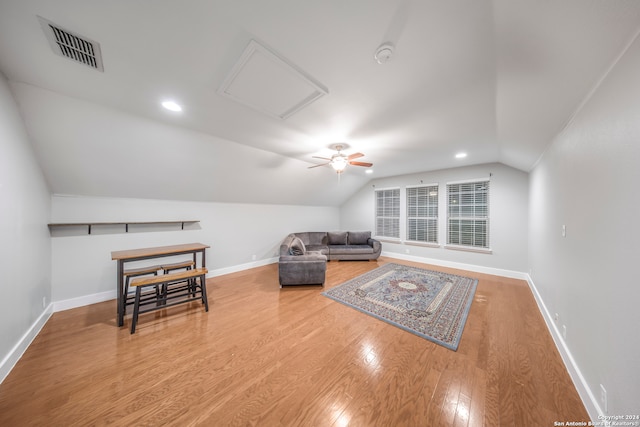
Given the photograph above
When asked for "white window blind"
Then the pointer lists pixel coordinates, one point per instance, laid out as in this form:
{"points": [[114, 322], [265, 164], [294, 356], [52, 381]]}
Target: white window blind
{"points": [[468, 214], [422, 214], [388, 213]]}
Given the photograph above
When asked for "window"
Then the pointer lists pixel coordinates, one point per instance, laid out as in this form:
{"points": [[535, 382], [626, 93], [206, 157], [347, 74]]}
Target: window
{"points": [[388, 213], [422, 214], [468, 221]]}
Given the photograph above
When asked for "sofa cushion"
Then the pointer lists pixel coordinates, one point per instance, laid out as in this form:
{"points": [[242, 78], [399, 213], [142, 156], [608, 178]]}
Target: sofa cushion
{"points": [[297, 247], [359, 237], [303, 236], [317, 238], [350, 249], [337, 237], [323, 249]]}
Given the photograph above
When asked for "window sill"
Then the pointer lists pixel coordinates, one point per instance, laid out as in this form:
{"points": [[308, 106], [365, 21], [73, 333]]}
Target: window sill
{"points": [[469, 249], [424, 244], [387, 239]]}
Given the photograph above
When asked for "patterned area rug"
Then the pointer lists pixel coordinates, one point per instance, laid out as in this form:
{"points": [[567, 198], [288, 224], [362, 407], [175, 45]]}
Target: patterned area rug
{"points": [[428, 303]]}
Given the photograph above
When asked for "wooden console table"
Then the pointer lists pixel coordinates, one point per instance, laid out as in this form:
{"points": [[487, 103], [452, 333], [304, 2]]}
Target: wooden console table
{"points": [[130, 255]]}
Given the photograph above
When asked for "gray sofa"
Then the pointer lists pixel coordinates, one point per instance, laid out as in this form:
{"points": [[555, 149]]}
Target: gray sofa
{"points": [[304, 256]]}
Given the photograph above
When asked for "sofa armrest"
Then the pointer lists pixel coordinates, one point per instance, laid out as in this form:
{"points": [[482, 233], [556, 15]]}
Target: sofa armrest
{"points": [[375, 244], [302, 269]]}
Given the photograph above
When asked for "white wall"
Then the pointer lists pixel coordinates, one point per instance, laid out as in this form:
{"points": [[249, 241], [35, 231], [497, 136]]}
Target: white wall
{"points": [[508, 218], [588, 180], [25, 251], [99, 151], [82, 264]]}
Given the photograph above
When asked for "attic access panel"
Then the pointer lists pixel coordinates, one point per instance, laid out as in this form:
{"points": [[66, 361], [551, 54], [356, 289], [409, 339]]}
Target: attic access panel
{"points": [[268, 83]]}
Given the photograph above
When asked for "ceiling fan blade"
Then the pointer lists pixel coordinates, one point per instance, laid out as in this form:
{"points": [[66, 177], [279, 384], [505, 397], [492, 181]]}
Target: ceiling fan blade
{"points": [[355, 156], [365, 164], [321, 164], [323, 158]]}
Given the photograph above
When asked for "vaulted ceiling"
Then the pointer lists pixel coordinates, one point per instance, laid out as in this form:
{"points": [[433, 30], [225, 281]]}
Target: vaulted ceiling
{"points": [[495, 79]]}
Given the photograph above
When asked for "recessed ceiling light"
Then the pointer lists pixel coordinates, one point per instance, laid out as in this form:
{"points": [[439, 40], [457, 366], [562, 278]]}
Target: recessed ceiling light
{"points": [[461, 155], [369, 171], [171, 106]]}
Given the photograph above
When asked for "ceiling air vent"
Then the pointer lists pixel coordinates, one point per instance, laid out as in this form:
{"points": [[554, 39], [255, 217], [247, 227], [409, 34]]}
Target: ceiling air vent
{"points": [[73, 46]]}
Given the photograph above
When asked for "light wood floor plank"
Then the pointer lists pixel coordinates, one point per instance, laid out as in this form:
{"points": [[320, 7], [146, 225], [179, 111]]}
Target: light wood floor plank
{"points": [[291, 357]]}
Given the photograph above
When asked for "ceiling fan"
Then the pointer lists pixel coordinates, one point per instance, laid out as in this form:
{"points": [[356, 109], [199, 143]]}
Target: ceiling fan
{"points": [[339, 161]]}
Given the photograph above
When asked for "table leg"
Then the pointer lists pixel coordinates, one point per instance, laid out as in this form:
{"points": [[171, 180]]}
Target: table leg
{"points": [[121, 306]]}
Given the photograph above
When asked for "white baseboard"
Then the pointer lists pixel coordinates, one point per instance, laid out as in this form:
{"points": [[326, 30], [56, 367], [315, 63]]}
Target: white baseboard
{"points": [[579, 381], [460, 266], [25, 341], [588, 398], [242, 267], [68, 304]]}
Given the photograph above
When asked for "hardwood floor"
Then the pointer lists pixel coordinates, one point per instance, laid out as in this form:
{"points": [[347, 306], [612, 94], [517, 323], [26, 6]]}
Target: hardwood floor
{"points": [[292, 357]]}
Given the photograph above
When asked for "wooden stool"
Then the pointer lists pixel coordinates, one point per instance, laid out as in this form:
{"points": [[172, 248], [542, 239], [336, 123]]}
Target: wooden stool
{"points": [[186, 265], [167, 268], [177, 294], [135, 272]]}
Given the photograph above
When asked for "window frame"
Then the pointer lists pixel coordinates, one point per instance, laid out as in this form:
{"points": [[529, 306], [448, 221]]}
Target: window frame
{"points": [[393, 219], [470, 209], [412, 213]]}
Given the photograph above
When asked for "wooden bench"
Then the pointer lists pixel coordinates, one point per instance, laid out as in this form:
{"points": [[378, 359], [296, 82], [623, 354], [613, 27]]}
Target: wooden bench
{"points": [[146, 271], [178, 288]]}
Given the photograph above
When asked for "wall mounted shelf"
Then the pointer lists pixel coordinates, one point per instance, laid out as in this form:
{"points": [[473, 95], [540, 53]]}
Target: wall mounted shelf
{"points": [[126, 224]]}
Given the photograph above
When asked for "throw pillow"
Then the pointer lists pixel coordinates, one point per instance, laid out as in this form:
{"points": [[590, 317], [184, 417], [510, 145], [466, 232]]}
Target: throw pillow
{"points": [[359, 237], [337, 237], [297, 247]]}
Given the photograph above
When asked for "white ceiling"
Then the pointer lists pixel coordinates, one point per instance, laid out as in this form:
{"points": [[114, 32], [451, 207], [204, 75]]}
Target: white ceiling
{"points": [[496, 79]]}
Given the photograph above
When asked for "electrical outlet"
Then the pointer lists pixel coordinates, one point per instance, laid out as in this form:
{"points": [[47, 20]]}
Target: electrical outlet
{"points": [[407, 250], [556, 317], [253, 257], [44, 302], [564, 230], [603, 399], [564, 331]]}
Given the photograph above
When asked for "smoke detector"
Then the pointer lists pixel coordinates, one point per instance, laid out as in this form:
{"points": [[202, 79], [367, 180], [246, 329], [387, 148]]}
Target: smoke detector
{"points": [[384, 53]]}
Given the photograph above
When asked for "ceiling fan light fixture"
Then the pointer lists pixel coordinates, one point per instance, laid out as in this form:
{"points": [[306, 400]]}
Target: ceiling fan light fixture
{"points": [[339, 164], [340, 161]]}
